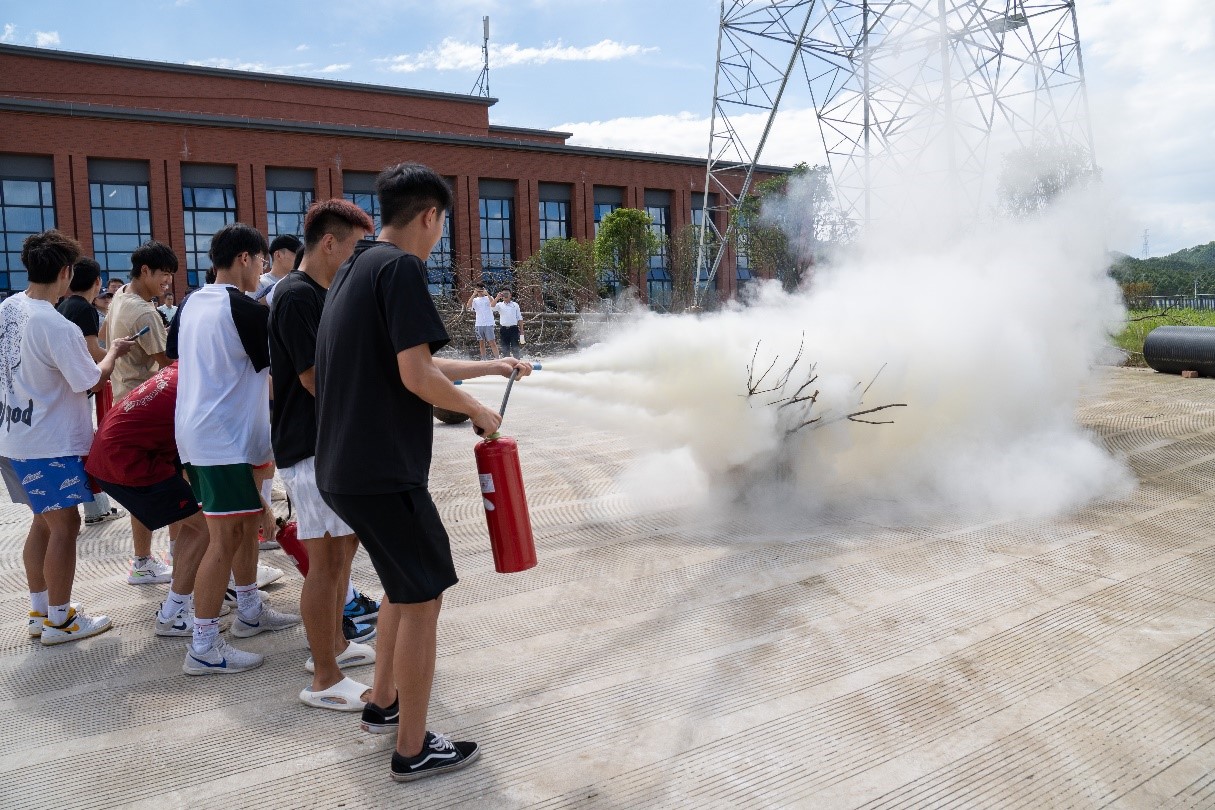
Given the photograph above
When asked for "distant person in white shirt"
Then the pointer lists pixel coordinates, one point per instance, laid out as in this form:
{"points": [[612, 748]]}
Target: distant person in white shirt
{"points": [[483, 306], [510, 318], [282, 259]]}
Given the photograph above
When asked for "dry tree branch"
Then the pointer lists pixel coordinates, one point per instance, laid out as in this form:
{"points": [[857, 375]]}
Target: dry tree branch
{"points": [[1159, 314]]}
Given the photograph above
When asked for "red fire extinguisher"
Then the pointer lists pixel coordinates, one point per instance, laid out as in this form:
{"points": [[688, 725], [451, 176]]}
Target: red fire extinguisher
{"points": [[510, 525]]}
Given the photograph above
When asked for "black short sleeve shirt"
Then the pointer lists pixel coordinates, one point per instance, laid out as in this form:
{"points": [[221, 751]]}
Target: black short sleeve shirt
{"points": [[82, 313], [373, 434], [295, 316]]}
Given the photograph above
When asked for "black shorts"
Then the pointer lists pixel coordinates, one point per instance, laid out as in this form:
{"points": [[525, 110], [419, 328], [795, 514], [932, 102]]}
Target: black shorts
{"points": [[405, 540], [158, 505]]}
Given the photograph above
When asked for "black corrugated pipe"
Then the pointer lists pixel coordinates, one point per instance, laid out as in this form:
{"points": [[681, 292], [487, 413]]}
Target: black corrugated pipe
{"points": [[1174, 349]]}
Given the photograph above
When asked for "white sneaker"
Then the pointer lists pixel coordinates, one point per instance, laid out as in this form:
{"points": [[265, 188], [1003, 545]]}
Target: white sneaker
{"points": [[181, 625], [221, 659], [113, 514], [269, 619], [149, 571], [265, 575], [76, 627], [36, 620]]}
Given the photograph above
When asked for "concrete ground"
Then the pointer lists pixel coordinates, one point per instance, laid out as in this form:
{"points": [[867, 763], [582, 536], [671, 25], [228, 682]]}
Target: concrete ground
{"points": [[653, 662]]}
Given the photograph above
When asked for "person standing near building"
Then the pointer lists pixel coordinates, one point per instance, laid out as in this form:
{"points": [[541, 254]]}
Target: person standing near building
{"points": [[77, 307], [374, 366], [46, 373], [483, 308], [331, 229], [222, 428], [510, 319], [282, 261], [169, 308], [131, 312]]}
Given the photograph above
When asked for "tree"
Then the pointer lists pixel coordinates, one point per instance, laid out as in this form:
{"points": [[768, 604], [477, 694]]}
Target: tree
{"points": [[1034, 176], [786, 224], [683, 251], [625, 243], [563, 272]]}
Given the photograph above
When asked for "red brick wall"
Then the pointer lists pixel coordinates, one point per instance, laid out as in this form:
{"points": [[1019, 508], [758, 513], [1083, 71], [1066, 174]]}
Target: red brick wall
{"points": [[71, 140], [58, 79]]}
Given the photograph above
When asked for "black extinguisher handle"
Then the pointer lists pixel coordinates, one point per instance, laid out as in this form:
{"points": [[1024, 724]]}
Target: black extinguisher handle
{"points": [[514, 375]]}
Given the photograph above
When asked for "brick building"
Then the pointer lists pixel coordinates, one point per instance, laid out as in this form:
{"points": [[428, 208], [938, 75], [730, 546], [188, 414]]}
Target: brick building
{"points": [[118, 151]]}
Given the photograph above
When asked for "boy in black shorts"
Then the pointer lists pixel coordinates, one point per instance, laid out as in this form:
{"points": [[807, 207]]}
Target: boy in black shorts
{"points": [[376, 383]]}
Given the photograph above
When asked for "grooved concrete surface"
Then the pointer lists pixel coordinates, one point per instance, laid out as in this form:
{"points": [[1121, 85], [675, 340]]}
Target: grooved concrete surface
{"points": [[655, 661]]}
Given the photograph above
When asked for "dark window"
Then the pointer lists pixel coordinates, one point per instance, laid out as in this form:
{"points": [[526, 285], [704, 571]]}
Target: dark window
{"points": [[554, 220], [369, 202], [285, 209], [658, 280], [27, 206], [698, 218], [496, 252], [608, 279], [207, 210], [440, 264], [122, 221]]}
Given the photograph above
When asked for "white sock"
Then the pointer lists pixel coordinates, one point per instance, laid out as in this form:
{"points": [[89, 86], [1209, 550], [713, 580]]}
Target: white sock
{"points": [[58, 614], [267, 490], [40, 602], [350, 591], [248, 602], [206, 631], [174, 603]]}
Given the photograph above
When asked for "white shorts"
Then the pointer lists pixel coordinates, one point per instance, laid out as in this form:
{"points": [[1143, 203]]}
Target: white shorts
{"points": [[314, 516]]}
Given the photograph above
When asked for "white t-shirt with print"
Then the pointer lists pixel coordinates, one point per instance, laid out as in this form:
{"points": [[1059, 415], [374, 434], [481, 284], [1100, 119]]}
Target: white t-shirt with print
{"points": [[483, 306], [508, 313], [45, 375]]}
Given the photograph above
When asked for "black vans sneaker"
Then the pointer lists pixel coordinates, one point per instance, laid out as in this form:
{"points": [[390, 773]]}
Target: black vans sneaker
{"points": [[438, 755], [378, 720]]}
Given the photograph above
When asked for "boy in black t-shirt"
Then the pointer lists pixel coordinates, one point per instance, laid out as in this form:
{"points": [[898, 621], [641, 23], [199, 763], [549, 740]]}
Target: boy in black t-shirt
{"points": [[376, 383], [331, 229]]}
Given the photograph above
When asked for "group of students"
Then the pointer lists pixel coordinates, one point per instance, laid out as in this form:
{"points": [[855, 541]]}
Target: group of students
{"points": [[348, 342]]}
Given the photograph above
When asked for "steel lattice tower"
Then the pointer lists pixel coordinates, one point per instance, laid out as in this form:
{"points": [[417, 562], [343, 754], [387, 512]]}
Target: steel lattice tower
{"points": [[935, 89]]}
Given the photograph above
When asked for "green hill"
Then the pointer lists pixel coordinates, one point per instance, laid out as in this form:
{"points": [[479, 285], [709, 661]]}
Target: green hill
{"points": [[1174, 274]]}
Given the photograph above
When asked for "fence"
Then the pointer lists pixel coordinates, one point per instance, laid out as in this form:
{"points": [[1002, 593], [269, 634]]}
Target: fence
{"points": [[1158, 302]]}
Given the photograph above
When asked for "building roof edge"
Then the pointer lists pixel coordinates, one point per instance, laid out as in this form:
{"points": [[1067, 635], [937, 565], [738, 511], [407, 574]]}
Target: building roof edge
{"points": [[247, 75]]}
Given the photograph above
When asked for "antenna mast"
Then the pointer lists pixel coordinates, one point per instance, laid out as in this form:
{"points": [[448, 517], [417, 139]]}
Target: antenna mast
{"points": [[481, 88]]}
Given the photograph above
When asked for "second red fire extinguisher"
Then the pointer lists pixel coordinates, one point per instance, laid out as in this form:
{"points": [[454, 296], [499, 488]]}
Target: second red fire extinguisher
{"points": [[505, 501]]}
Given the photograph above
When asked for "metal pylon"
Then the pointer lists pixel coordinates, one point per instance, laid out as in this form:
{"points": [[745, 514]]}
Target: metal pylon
{"points": [[934, 89]]}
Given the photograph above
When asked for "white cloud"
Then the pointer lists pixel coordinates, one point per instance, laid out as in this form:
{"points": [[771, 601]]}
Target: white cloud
{"points": [[1148, 68], [334, 68], [454, 55], [794, 135], [302, 47], [45, 39], [10, 33], [256, 67]]}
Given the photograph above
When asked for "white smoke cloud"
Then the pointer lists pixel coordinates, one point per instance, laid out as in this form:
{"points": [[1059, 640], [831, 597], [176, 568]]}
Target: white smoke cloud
{"points": [[986, 334]]}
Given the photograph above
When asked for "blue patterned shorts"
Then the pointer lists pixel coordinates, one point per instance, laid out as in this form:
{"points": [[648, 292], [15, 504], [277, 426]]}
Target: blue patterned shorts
{"points": [[46, 484]]}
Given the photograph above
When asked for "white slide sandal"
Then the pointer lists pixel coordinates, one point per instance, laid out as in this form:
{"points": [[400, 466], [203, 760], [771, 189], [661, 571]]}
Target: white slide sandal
{"points": [[344, 696]]}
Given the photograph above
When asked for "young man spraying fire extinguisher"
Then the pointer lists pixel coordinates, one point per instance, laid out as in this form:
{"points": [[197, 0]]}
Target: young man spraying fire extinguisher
{"points": [[374, 367]]}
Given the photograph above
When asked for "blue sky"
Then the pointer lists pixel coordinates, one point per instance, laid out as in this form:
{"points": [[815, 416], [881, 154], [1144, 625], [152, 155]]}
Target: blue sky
{"points": [[638, 74]]}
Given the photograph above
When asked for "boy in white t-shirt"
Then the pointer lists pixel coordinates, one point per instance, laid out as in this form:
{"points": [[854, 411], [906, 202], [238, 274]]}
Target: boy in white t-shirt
{"points": [[222, 428], [46, 374], [483, 307]]}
